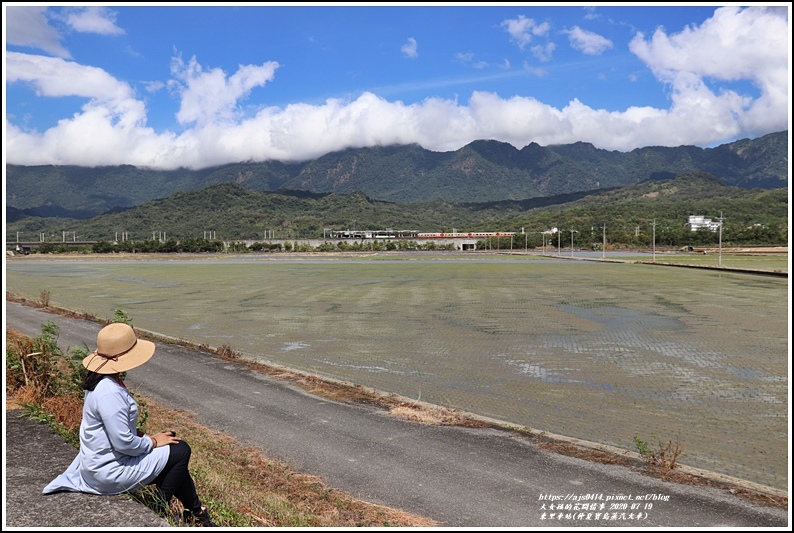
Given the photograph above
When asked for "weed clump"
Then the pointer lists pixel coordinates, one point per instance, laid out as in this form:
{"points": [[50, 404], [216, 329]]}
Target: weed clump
{"points": [[664, 456]]}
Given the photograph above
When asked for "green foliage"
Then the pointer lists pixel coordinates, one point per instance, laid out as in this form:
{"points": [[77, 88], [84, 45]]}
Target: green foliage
{"points": [[102, 247], [751, 217], [482, 171], [46, 248], [143, 412], [644, 449], [121, 316], [41, 367]]}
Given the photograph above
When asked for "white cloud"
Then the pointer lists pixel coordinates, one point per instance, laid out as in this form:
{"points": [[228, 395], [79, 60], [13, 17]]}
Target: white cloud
{"points": [[111, 128], [409, 49], [522, 29], [28, 26], [543, 52], [541, 29], [588, 42], [590, 13], [210, 97], [55, 77], [468, 59], [537, 71], [99, 20], [464, 57], [756, 41], [301, 131], [153, 86]]}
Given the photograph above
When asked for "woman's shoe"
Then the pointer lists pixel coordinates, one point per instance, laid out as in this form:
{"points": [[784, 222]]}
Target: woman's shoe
{"points": [[201, 519]]}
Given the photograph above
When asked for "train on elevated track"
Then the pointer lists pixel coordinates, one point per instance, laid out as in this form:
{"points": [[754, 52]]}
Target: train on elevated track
{"points": [[412, 234]]}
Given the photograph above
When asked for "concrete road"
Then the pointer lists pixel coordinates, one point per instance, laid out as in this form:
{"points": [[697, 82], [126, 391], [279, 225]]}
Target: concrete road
{"points": [[460, 477]]}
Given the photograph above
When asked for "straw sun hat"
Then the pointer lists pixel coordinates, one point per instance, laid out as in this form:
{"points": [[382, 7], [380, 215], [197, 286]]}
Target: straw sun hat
{"points": [[118, 350]]}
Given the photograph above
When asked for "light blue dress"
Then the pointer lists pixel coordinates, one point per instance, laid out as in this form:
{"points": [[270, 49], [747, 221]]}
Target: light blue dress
{"points": [[112, 458]]}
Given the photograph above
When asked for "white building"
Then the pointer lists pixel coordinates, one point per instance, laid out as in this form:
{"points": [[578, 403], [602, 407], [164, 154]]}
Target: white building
{"points": [[699, 221]]}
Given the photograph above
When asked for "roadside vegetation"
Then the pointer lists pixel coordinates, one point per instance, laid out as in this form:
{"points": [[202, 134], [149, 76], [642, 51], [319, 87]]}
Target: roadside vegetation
{"points": [[242, 486]]}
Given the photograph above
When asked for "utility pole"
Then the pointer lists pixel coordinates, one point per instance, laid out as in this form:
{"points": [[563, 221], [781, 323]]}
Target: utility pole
{"points": [[559, 248], [719, 260], [604, 244], [654, 240], [572, 232]]}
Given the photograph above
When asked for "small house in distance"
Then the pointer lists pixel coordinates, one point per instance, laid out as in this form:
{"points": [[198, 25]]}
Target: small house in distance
{"points": [[699, 221]]}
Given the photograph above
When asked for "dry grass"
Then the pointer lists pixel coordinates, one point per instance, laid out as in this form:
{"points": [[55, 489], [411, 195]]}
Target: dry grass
{"points": [[663, 469], [579, 452], [667, 454], [242, 484], [44, 303], [429, 416], [33, 383]]}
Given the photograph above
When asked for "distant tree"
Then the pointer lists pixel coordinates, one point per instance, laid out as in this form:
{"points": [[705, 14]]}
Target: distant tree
{"points": [[46, 248], [103, 247], [170, 246]]}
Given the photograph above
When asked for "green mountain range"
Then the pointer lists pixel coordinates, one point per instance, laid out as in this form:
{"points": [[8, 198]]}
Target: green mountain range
{"points": [[229, 211], [480, 172]]}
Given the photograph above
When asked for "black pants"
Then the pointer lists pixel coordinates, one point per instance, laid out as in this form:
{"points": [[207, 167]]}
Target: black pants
{"points": [[175, 478]]}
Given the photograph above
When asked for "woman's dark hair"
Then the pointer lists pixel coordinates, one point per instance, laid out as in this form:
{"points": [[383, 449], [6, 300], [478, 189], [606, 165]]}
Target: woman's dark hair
{"points": [[91, 379]]}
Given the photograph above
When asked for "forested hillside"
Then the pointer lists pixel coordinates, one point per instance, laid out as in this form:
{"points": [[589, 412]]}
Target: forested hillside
{"points": [[483, 171], [229, 211]]}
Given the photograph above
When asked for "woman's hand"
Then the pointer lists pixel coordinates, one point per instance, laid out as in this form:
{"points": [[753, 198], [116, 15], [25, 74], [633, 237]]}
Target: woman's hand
{"points": [[163, 438]]}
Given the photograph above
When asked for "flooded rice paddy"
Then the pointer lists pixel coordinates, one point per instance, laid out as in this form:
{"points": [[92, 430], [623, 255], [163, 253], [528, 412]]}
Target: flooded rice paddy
{"points": [[596, 351]]}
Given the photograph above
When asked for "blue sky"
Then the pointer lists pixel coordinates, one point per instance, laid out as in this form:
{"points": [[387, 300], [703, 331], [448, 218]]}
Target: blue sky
{"points": [[173, 85]]}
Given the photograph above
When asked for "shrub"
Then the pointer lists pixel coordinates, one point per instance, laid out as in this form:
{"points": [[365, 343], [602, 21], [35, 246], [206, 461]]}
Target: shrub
{"points": [[665, 456]]}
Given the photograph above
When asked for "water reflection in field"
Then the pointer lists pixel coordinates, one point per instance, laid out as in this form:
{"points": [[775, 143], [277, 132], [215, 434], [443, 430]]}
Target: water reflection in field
{"points": [[596, 351]]}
